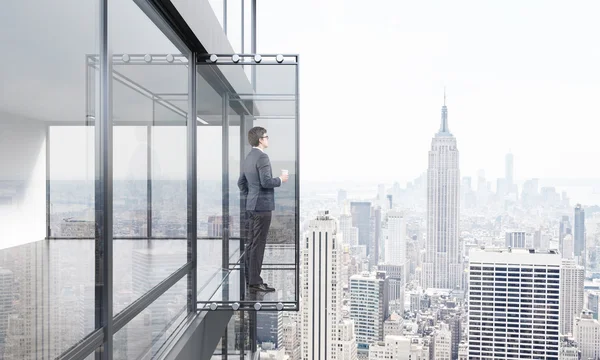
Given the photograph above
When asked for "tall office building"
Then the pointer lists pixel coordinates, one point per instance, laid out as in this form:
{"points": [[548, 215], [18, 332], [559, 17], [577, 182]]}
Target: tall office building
{"points": [[515, 239], [443, 266], [513, 294], [368, 307], [579, 233], [396, 275], [568, 247], [361, 219], [395, 241], [376, 236], [321, 290], [349, 232], [571, 294], [587, 335], [564, 229], [509, 171]]}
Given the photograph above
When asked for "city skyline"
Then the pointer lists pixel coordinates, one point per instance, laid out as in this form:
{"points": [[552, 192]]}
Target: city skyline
{"points": [[509, 85]]}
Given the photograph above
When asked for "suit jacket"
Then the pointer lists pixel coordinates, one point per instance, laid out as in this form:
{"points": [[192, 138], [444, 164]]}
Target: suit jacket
{"points": [[257, 183]]}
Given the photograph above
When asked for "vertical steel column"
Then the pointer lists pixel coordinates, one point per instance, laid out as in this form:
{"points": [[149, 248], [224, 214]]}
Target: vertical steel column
{"points": [[225, 16], [243, 25], [104, 194], [243, 219], [297, 184], [225, 196], [48, 231], [192, 183], [149, 176], [253, 42], [225, 222]]}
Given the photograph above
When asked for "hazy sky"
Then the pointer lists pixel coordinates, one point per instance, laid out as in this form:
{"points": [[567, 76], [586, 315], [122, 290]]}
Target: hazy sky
{"points": [[519, 75]]}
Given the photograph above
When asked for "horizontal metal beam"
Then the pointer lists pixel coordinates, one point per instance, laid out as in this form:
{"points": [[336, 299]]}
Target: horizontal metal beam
{"points": [[85, 347], [130, 312]]}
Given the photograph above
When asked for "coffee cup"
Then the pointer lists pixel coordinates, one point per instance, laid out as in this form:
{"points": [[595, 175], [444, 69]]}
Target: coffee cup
{"points": [[284, 172]]}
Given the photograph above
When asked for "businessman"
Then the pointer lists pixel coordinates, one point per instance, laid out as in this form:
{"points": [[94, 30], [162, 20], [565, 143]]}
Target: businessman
{"points": [[257, 186]]}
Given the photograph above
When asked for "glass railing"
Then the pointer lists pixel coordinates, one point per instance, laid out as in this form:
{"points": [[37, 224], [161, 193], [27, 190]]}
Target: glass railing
{"points": [[269, 100]]}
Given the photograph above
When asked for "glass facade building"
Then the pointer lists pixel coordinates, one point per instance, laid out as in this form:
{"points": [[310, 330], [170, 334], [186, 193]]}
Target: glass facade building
{"points": [[122, 131]]}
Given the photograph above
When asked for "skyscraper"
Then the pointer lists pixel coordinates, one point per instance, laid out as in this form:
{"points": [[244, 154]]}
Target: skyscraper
{"points": [[361, 219], [349, 232], [368, 307], [579, 233], [515, 239], [564, 229], [321, 289], [395, 242], [524, 319], [571, 295], [443, 263], [509, 171], [568, 247], [376, 236]]}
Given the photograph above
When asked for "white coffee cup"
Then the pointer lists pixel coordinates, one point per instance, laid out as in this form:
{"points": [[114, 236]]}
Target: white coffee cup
{"points": [[284, 172]]}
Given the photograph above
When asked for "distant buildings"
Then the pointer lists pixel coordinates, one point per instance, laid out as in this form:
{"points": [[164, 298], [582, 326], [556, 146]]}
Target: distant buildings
{"points": [[397, 347], [579, 234], [515, 239]]}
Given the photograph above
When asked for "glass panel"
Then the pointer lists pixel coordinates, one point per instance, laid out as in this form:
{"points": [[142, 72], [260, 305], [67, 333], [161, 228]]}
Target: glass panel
{"points": [[210, 163], [46, 176], [130, 178], [46, 297], [217, 7], [139, 265], [234, 174], [211, 276], [143, 336], [234, 24], [149, 108], [71, 187]]}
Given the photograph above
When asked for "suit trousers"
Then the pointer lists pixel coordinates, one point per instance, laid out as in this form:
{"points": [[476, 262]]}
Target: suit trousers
{"points": [[258, 229]]}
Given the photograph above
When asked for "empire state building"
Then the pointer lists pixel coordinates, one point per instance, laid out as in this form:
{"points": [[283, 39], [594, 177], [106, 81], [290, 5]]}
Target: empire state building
{"points": [[443, 262]]}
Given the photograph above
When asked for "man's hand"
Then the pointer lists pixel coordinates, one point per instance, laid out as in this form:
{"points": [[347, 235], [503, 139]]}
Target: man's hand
{"points": [[284, 177]]}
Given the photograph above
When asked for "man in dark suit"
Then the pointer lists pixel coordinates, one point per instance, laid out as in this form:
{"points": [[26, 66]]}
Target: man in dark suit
{"points": [[257, 185]]}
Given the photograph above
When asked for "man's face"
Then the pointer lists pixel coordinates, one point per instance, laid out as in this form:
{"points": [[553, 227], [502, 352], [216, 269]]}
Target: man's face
{"points": [[264, 140]]}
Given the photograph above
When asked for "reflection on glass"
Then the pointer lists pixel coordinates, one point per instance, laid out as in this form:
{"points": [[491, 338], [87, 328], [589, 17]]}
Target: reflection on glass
{"points": [[143, 264], [46, 297], [143, 336], [46, 168], [149, 109]]}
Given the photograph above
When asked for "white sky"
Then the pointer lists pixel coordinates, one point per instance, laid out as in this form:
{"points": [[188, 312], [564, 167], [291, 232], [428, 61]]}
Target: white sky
{"points": [[522, 76]]}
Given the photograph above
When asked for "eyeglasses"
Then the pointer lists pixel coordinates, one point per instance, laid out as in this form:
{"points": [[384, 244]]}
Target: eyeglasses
{"points": [[265, 137]]}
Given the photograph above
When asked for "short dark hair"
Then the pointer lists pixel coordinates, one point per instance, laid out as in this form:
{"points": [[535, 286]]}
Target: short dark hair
{"points": [[255, 134]]}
